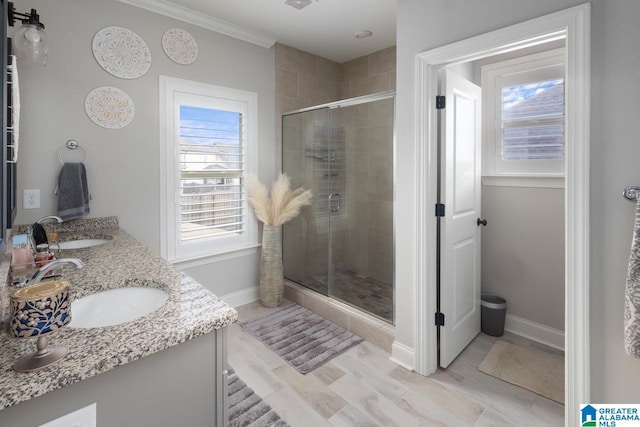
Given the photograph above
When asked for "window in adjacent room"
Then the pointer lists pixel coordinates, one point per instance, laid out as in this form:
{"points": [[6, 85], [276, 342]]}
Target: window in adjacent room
{"points": [[209, 148], [524, 111]]}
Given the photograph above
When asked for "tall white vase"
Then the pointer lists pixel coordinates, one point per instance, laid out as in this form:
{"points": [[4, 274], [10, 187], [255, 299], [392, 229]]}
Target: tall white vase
{"points": [[271, 272]]}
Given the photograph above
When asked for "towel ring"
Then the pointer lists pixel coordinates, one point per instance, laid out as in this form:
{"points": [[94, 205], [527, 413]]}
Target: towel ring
{"points": [[72, 145]]}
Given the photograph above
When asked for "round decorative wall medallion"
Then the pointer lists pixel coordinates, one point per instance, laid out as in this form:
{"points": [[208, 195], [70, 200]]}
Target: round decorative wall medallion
{"points": [[180, 46], [121, 52], [109, 107]]}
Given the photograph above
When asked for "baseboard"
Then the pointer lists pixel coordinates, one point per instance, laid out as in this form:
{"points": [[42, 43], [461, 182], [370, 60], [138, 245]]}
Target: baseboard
{"points": [[535, 331], [403, 355], [242, 297]]}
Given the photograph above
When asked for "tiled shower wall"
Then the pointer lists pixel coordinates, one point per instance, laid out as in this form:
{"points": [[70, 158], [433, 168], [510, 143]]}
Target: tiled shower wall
{"points": [[302, 80], [368, 74], [306, 80]]}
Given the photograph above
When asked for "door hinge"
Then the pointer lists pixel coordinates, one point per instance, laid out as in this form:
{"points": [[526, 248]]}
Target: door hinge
{"points": [[439, 209], [440, 102], [439, 319]]}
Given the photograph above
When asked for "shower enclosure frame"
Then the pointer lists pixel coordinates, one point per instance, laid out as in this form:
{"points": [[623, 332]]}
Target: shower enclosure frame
{"points": [[361, 100]]}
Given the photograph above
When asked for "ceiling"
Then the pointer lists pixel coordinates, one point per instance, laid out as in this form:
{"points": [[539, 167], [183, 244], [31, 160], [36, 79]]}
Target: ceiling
{"points": [[325, 27]]}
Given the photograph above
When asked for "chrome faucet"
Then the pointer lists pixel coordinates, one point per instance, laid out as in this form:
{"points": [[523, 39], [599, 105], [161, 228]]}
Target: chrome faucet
{"points": [[38, 275], [49, 218]]}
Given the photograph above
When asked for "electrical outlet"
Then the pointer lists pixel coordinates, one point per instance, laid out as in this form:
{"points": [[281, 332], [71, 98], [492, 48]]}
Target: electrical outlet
{"points": [[30, 199], [84, 417]]}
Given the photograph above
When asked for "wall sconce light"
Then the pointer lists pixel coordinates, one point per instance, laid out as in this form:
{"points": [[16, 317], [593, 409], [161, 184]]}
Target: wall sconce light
{"points": [[29, 42]]}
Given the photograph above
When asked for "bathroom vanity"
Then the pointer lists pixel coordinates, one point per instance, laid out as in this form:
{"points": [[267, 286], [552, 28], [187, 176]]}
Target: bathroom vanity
{"points": [[167, 368]]}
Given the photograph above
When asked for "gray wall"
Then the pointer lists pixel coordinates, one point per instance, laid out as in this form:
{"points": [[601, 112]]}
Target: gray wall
{"points": [[123, 165], [615, 108], [527, 271]]}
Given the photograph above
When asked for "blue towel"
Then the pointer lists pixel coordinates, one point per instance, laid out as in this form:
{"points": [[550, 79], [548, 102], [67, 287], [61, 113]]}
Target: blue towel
{"points": [[73, 191]]}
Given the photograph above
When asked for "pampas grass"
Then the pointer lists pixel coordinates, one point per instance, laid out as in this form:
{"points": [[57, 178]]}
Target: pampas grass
{"points": [[281, 204]]}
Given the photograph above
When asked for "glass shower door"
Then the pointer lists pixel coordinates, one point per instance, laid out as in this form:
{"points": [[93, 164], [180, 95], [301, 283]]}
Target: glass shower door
{"points": [[342, 245], [305, 158], [360, 173]]}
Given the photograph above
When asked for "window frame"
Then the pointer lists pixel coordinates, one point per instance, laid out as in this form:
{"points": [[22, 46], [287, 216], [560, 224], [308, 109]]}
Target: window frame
{"points": [[541, 66], [171, 90]]}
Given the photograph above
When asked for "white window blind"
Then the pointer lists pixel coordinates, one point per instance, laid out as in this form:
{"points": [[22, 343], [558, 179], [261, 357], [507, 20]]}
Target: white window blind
{"points": [[211, 168], [533, 121], [208, 140], [523, 110]]}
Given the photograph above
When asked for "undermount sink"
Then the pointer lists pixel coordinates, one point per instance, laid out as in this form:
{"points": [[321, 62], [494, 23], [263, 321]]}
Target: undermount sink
{"points": [[82, 243], [115, 306]]}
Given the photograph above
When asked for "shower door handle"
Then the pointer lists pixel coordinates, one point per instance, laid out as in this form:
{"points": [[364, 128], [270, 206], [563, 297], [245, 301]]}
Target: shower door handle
{"points": [[332, 208]]}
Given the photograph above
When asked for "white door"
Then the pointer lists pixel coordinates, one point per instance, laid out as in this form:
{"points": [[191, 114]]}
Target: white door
{"points": [[460, 229]]}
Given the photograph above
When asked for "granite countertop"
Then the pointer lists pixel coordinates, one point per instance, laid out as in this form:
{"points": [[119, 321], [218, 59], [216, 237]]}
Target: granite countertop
{"points": [[190, 311]]}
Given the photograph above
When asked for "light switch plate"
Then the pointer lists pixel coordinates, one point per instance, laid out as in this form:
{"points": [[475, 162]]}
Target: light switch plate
{"points": [[84, 417], [30, 199]]}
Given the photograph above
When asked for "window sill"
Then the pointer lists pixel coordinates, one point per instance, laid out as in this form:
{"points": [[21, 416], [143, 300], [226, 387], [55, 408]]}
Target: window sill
{"points": [[524, 181], [211, 258]]}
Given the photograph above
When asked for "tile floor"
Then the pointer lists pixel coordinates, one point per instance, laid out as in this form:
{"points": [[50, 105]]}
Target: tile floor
{"points": [[362, 387], [366, 293]]}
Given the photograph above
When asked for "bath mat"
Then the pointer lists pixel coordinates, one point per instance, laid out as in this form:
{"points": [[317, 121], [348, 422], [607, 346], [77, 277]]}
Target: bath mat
{"points": [[301, 337], [536, 370], [247, 409]]}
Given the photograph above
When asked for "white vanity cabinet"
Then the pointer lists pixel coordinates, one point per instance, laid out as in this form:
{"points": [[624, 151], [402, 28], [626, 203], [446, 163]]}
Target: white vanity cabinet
{"points": [[184, 385]]}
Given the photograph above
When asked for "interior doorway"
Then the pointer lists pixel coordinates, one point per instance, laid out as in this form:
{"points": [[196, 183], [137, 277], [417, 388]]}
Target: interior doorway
{"points": [[502, 232], [572, 25]]}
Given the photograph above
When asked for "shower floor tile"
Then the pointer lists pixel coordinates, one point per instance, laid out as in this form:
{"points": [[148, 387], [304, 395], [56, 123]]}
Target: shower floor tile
{"points": [[365, 293]]}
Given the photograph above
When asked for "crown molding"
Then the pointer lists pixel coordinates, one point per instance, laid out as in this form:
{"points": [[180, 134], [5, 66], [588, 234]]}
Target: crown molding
{"points": [[190, 16]]}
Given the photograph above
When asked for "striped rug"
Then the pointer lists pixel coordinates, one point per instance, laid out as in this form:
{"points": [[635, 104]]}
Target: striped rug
{"points": [[247, 409], [301, 337]]}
